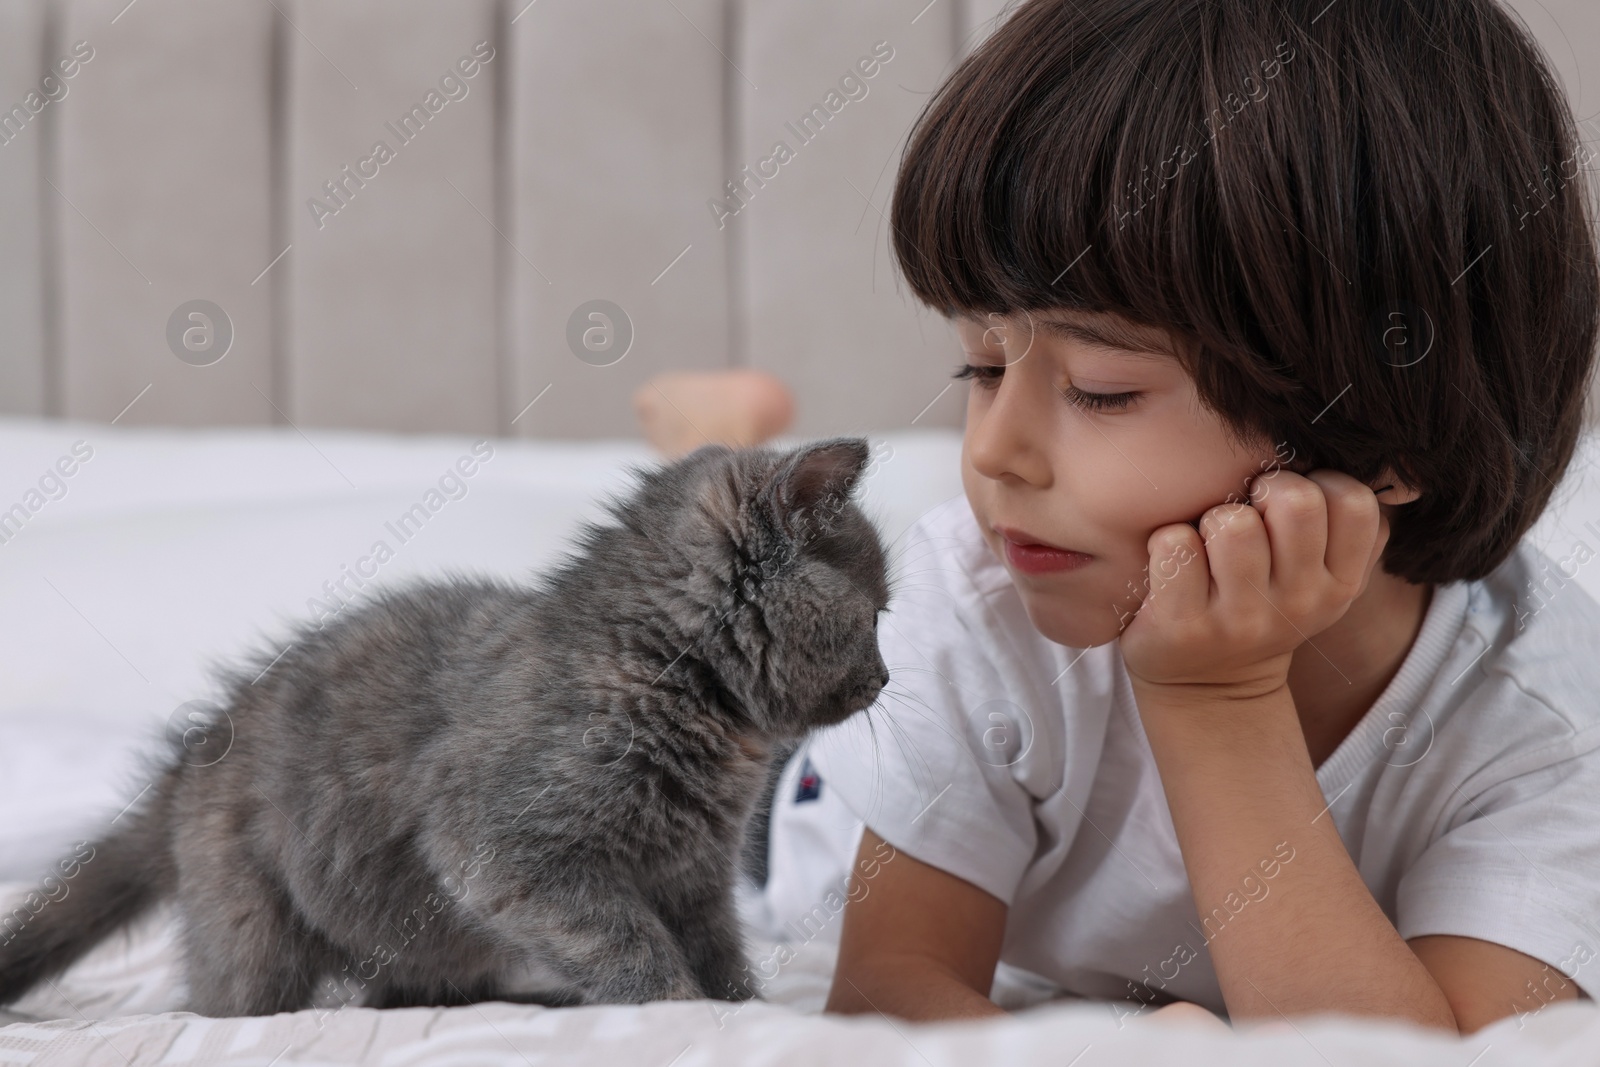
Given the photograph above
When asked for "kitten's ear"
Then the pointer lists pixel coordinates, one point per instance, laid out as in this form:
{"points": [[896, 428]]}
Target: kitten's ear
{"points": [[813, 483]]}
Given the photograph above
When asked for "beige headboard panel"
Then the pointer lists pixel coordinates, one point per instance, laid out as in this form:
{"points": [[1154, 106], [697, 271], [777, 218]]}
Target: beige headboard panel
{"points": [[570, 151]]}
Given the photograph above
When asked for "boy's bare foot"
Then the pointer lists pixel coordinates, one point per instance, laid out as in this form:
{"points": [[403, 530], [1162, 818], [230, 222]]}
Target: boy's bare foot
{"points": [[681, 410], [1184, 1011]]}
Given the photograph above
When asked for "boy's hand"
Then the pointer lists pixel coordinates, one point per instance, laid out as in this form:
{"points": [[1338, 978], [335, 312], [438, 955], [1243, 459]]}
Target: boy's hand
{"points": [[1229, 604]]}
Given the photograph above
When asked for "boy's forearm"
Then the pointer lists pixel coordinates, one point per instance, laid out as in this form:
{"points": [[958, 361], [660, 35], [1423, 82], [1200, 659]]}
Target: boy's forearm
{"points": [[1286, 936], [911, 988]]}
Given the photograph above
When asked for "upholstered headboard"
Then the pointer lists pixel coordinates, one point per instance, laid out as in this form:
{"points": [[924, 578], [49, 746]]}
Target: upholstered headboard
{"points": [[179, 179]]}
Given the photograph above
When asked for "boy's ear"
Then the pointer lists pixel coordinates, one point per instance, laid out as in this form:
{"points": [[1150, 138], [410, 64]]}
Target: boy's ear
{"points": [[811, 481]]}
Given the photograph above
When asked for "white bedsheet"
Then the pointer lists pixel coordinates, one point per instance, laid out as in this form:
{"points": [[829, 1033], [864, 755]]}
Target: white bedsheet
{"points": [[172, 549], [110, 1010], [107, 1011]]}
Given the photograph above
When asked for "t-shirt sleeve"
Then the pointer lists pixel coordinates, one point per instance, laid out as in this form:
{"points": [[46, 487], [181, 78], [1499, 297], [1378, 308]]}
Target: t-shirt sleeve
{"points": [[929, 767], [1520, 867]]}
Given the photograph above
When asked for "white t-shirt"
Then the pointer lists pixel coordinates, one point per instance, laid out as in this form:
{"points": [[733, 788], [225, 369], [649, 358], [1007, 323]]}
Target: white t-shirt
{"points": [[1468, 795]]}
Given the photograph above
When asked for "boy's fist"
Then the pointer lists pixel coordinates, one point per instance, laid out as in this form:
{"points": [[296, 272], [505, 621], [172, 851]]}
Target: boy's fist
{"points": [[1230, 603]]}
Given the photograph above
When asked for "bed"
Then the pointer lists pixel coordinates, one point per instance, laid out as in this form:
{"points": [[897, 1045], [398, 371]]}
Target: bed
{"points": [[165, 551]]}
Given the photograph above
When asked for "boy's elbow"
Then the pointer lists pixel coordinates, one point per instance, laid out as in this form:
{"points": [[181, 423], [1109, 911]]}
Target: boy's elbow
{"points": [[848, 997], [909, 988], [843, 1000]]}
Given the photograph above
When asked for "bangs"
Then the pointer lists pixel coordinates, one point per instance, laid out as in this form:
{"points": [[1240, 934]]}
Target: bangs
{"points": [[1088, 165], [1327, 207]]}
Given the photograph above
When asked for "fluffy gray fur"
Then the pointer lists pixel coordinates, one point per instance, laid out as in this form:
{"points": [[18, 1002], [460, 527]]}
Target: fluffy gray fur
{"points": [[470, 790]]}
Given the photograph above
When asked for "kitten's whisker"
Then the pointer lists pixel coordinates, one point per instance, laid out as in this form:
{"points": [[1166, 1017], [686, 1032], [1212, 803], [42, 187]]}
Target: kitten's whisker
{"points": [[922, 712], [899, 740], [903, 740], [965, 692]]}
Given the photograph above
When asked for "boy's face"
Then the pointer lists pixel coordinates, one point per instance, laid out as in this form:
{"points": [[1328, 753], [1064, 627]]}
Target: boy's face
{"points": [[1097, 482]]}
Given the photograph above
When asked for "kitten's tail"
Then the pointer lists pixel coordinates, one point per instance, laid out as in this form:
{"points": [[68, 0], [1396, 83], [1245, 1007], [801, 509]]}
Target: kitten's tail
{"points": [[102, 886]]}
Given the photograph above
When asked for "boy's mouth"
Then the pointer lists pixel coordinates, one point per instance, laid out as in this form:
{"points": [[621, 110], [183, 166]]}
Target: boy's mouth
{"points": [[1032, 556]]}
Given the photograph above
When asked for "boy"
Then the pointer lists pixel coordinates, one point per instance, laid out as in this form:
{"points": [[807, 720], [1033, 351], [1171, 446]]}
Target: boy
{"points": [[1230, 679]]}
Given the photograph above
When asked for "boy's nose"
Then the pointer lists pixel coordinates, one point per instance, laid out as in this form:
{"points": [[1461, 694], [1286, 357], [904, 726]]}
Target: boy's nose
{"points": [[1001, 440]]}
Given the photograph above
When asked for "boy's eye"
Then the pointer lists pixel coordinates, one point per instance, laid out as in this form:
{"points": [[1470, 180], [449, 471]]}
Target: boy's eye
{"points": [[985, 375], [988, 377], [1098, 401]]}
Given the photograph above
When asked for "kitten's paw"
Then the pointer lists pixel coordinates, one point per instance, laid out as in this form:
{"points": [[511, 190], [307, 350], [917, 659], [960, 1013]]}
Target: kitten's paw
{"points": [[549, 998], [637, 993], [685, 989], [640, 989]]}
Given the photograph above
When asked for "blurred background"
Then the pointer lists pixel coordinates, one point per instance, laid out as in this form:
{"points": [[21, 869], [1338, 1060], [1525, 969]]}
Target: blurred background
{"points": [[219, 159], [540, 157]]}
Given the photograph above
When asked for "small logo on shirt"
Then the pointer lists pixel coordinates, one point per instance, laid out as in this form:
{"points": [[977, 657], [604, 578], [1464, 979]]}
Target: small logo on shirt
{"points": [[810, 783]]}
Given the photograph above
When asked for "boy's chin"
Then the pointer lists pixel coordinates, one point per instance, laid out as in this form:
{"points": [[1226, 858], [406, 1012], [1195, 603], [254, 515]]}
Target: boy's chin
{"points": [[1073, 625]]}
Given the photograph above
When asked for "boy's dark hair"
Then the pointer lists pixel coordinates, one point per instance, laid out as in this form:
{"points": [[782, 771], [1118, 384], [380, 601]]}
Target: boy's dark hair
{"points": [[1368, 220]]}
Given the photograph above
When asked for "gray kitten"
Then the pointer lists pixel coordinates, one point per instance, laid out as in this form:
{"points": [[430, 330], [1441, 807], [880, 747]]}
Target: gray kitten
{"points": [[468, 790]]}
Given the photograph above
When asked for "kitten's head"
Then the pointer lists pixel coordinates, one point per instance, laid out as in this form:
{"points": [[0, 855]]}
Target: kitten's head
{"points": [[779, 576]]}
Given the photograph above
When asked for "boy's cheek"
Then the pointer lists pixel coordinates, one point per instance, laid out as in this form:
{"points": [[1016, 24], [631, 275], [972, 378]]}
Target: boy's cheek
{"points": [[1108, 500]]}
